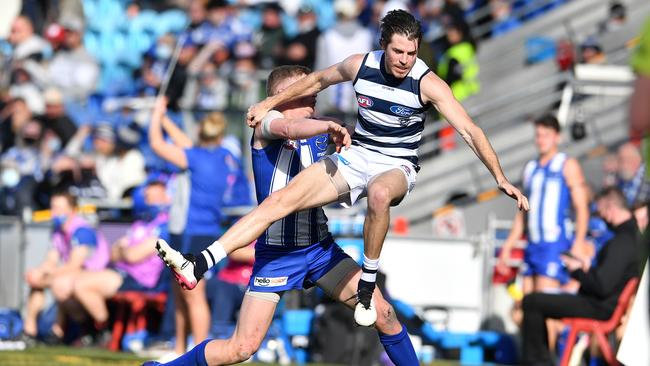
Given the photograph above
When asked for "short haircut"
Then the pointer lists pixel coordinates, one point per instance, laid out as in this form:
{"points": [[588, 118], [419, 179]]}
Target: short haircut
{"points": [[399, 22], [613, 195], [548, 121], [212, 127], [71, 198], [283, 72]]}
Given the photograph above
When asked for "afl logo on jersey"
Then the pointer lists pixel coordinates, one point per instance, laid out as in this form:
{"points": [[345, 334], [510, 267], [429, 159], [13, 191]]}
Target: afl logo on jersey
{"points": [[401, 111], [364, 101]]}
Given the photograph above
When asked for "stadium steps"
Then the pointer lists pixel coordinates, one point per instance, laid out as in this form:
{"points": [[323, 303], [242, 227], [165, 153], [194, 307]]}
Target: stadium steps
{"points": [[532, 89]]}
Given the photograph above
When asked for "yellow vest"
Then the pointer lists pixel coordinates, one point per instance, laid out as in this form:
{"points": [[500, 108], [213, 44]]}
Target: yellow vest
{"points": [[464, 54]]}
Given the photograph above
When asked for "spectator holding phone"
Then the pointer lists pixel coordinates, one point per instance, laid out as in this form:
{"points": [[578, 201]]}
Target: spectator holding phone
{"points": [[600, 286]]}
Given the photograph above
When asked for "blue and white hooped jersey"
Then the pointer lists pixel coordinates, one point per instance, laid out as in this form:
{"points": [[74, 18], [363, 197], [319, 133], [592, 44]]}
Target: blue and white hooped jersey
{"points": [[549, 219], [391, 114], [273, 167]]}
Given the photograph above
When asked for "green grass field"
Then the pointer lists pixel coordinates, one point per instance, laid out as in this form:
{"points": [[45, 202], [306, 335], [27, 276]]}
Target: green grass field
{"points": [[60, 356]]}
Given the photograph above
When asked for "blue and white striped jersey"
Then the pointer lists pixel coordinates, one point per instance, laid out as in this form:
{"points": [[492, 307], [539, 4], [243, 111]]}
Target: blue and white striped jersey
{"points": [[273, 167], [549, 218], [391, 114]]}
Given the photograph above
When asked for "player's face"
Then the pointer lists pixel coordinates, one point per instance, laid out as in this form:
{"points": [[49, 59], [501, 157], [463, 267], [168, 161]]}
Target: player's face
{"points": [[546, 139], [303, 106], [400, 55], [59, 206]]}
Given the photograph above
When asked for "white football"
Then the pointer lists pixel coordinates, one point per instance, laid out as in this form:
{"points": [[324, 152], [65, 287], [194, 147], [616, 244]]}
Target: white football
{"points": [[365, 317]]}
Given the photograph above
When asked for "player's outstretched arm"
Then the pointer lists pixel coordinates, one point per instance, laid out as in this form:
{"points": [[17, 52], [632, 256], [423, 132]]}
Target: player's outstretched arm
{"points": [[311, 84], [275, 126], [436, 91]]}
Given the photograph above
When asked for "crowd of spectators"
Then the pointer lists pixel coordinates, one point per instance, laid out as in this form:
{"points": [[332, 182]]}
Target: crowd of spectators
{"points": [[77, 88], [76, 78]]}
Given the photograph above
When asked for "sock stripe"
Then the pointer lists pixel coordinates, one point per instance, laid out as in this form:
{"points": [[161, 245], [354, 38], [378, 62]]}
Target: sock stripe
{"points": [[368, 270], [211, 256]]}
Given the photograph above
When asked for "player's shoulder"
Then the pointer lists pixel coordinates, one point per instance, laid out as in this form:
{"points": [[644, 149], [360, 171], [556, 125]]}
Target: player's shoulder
{"points": [[356, 60], [420, 69]]}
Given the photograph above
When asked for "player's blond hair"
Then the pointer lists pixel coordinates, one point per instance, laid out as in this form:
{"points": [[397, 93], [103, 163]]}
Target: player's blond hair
{"points": [[283, 72]]}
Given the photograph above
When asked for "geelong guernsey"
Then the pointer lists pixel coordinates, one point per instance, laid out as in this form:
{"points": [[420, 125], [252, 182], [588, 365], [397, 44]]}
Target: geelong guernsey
{"points": [[273, 167], [391, 114], [549, 218]]}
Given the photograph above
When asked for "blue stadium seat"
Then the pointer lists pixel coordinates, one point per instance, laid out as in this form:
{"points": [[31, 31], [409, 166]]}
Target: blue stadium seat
{"points": [[297, 323], [144, 22], [539, 49], [173, 21], [91, 43]]}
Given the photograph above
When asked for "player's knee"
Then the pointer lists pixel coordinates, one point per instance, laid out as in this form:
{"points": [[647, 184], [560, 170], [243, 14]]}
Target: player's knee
{"points": [[279, 202], [386, 317], [245, 348], [379, 198]]}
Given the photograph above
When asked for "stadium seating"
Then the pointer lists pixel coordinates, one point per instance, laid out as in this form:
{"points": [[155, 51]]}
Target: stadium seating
{"points": [[511, 93]]}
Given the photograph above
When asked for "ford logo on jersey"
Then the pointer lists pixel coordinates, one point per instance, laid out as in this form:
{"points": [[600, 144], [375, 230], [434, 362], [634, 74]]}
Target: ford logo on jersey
{"points": [[402, 111], [364, 101]]}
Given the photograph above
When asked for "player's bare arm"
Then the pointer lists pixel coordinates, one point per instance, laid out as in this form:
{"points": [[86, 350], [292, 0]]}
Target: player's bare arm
{"points": [[303, 128], [437, 92], [311, 84], [580, 200]]}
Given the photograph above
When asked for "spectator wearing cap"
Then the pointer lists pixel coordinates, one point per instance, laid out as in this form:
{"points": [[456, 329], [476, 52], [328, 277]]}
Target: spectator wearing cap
{"points": [[55, 34], [73, 69], [301, 48], [119, 165], [347, 36], [55, 118]]}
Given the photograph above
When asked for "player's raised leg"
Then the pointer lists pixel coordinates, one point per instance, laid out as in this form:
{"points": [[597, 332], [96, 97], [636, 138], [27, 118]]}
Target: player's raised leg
{"points": [[310, 188], [255, 317], [385, 190]]}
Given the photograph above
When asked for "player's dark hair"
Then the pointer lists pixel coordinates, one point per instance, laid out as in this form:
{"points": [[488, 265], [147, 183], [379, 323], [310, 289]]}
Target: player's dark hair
{"points": [[399, 22], [283, 72], [71, 198], [614, 195], [548, 121]]}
